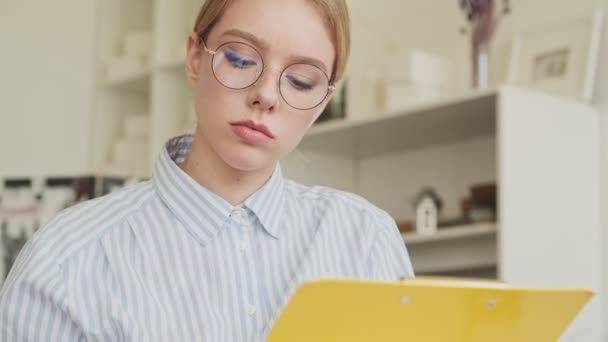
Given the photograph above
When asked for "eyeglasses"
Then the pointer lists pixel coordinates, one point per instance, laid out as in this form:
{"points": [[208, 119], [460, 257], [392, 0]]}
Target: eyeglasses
{"points": [[238, 66]]}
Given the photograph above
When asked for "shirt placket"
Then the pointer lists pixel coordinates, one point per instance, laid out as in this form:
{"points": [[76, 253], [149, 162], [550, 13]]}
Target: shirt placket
{"points": [[246, 262]]}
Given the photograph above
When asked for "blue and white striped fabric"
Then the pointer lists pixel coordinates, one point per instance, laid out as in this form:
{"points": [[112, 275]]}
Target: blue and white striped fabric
{"points": [[167, 260]]}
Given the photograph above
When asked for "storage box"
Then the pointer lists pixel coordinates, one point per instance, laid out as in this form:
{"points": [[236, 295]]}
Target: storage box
{"points": [[121, 67], [126, 152], [137, 127], [414, 77], [138, 45], [402, 94], [420, 68]]}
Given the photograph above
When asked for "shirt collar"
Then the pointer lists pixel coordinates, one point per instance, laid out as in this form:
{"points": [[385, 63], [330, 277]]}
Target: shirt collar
{"points": [[268, 202], [203, 212]]}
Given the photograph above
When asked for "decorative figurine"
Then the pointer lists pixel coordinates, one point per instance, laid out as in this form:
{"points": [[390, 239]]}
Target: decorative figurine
{"points": [[428, 206]]}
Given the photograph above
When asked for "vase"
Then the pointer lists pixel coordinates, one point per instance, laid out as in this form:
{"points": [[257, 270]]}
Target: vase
{"points": [[482, 31], [480, 66]]}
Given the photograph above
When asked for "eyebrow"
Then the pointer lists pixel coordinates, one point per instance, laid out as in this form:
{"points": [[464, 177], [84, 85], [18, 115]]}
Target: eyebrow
{"points": [[264, 45], [247, 36]]}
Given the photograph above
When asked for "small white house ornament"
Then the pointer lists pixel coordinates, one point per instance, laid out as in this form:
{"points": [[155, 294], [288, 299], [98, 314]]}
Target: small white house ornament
{"points": [[427, 206], [426, 217]]}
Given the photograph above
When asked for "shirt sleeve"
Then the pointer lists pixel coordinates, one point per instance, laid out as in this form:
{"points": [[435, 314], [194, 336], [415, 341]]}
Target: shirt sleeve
{"points": [[31, 300], [388, 257]]}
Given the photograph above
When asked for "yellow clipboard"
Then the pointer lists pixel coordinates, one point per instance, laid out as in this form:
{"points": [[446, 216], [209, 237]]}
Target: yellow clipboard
{"points": [[426, 310]]}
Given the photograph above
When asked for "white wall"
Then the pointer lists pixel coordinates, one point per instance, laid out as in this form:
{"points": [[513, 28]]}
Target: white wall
{"points": [[46, 77], [602, 96]]}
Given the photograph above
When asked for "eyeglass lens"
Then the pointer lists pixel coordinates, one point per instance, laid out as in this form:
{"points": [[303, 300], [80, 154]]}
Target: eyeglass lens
{"points": [[238, 66]]}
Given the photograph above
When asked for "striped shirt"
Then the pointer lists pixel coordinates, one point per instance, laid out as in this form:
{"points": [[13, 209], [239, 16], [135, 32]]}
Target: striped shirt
{"points": [[168, 260]]}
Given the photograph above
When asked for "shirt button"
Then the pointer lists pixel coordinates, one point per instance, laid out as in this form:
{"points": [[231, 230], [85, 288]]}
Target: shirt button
{"points": [[242, 246], [250, 310]]}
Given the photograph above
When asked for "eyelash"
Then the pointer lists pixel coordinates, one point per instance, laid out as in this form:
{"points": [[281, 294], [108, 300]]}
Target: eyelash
{"points": [[238, 61], [299, 84]]}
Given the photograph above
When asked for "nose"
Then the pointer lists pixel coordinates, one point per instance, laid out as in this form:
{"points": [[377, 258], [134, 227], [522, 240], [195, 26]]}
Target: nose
{"points": [[264, 93]]}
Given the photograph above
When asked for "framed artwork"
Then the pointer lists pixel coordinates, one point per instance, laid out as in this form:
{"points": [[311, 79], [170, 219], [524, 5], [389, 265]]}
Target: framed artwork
{"points": [[560, 60]]}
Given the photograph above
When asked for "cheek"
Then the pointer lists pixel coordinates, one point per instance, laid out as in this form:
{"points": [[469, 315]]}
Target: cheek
{"points": [[206, 84], [297, 124], [309, 117], [210, 96]]}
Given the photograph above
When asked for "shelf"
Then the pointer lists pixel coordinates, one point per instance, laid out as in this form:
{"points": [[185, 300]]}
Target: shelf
{"points": [[481, 272], [136, 81], [433, 123], [176, 64], [454, 249], [481, 269], [452, 233]]}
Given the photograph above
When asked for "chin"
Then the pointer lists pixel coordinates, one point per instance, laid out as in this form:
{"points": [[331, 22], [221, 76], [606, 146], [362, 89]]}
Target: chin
{"points": [[248, 159]]}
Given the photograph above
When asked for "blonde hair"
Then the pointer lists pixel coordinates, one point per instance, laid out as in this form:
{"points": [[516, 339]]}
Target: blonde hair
{"points": [[336, 17]]}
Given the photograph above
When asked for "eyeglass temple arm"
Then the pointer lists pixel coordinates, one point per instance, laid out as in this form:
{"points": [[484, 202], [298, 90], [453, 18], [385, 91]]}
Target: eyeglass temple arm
{"points": [[202, 42]]}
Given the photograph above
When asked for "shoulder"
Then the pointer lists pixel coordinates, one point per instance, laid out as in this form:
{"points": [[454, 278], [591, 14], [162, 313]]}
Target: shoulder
{"points": [[326, 200], [79, 226]]}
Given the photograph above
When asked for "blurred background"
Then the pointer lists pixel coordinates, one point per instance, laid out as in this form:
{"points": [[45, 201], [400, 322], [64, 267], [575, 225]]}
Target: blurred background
{"points": [[480, 126]]}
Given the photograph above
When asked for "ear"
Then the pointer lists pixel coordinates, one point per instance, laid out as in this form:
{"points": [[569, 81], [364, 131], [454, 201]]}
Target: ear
{"points": [[193, 59], [330, 95]]}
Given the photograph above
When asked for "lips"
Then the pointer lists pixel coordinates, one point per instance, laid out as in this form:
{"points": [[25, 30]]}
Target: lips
{"points": [[251, 133], [256, 127]]}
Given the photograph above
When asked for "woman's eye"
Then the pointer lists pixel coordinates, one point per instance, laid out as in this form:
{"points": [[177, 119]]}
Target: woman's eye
{"points": [[237, 61], [300, 84]]}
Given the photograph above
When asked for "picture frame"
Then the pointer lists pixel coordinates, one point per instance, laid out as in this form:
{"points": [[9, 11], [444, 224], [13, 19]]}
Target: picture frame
{"points": [[558, 60]]}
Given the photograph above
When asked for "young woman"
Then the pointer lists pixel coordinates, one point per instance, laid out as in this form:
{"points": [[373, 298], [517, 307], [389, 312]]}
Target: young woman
{"points": [[213, 247]]}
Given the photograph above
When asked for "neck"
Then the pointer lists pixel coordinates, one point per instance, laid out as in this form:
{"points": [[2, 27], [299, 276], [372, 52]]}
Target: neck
{"points": [[208, 169]]}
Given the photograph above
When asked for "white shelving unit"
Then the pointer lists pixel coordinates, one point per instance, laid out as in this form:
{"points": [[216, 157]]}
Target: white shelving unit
{"points": [[542, 152], [468, 117], [155, 86]]}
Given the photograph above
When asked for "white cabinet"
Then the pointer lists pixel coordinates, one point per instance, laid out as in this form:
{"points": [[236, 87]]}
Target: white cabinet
{"points": [[543, 153]]}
